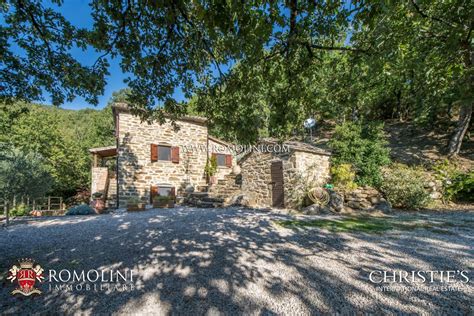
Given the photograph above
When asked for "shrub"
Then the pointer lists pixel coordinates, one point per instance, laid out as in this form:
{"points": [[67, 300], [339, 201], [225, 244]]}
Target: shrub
{"points": [[404, 186], [365, 147], [97, 195], [343, 177], [133, 201], [162, 198], [20, 210], [461, 188], [211, 166], [456, 184], [82, 209]]}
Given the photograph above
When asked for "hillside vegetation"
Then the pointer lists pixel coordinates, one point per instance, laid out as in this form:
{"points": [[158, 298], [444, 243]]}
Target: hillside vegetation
{"points": [[60, 137]]}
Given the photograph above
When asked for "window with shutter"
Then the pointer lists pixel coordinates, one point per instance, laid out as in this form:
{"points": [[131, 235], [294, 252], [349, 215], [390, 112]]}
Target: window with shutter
{"points": [[223, 160]]}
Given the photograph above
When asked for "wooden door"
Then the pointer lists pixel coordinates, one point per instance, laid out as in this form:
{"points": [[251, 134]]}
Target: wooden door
{"points": [[277, 184]]}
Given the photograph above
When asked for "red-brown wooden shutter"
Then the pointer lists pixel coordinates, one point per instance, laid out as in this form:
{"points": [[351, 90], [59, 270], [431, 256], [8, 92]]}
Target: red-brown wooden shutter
{"points": [[228, 160], [154, 152], [173, 192], [175, 154], [153, 192]]}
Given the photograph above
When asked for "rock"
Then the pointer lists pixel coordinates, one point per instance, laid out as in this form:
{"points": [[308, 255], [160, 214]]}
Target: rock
{"points": [[384, 207], [353, 204], [325, 210], [336, 201], [311, 210], [240, 200], [189, 189], [374, 200]]}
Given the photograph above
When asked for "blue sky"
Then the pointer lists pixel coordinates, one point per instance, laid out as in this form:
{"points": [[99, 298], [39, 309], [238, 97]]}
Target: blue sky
{"points": [[78, 13]]}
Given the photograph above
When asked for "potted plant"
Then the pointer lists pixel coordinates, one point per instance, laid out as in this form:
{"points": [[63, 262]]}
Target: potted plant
{"points": [[134, 204], [98, 203], [160, 201], [171, 201], [211, 169]]}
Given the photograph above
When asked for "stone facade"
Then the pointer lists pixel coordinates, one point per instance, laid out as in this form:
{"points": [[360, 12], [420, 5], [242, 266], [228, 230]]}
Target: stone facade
{"points": [[136, 170], [301, 170]]}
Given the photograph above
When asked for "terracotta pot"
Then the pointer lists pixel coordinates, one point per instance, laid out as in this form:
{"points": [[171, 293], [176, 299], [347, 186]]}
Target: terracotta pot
{"points": [[160, 203], [98, 205], [213, 179], [135, 207], [35, 213]]}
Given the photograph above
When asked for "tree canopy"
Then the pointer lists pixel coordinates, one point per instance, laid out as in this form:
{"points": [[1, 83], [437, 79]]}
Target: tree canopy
{"points": [[253, 66]]}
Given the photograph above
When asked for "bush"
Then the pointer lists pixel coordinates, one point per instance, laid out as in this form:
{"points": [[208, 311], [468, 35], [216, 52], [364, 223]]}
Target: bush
{"points": [[162, 198], [457, 186], [20, 210], [461, 188], [82, 209], [133, 201], [365, 147], [343, 177], [404, 186]]}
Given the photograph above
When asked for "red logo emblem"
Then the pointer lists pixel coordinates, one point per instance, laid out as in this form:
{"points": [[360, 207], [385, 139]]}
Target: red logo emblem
{"points": [[26, 276]]}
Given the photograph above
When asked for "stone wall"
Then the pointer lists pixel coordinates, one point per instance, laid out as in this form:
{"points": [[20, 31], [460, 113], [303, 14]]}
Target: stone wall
{"points": [[308, 170], [136, 171], [300, 170], [365, 198], [99, 179]]}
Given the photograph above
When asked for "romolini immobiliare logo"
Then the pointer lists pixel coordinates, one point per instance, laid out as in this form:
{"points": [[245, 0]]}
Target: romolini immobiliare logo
{"points": [[26, 273]]}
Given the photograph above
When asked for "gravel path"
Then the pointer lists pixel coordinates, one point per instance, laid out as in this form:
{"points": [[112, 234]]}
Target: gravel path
{"points": [[232, 261]]}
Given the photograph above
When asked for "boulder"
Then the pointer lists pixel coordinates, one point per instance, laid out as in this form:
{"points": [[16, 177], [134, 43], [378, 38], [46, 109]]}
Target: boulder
{"points": [[311, 210], [383, 206], [336, 201], [189, 189]]}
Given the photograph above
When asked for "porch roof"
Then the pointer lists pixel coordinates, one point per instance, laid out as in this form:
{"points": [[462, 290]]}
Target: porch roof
{"points": [[108, 151]]}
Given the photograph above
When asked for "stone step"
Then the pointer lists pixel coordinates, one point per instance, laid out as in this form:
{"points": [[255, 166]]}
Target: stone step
{"points": [[208, 204], [212, 199], [199, 194]]}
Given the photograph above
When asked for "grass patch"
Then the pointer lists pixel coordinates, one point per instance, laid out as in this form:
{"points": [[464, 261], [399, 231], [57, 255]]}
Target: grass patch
{"points": [[369, 225], [365, 224]]}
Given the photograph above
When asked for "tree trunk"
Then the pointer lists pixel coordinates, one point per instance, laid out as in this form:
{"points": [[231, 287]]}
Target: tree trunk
{"points": [[7, 213], [466, 108], [460, 130]]}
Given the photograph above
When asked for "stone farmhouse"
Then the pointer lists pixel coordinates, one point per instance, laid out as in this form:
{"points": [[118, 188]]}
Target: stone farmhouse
{"points": [[150, 159]]}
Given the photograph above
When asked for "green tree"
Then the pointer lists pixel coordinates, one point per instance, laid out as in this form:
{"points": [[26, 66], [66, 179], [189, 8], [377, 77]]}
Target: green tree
{"points": [[364, 146], [22, 174]]}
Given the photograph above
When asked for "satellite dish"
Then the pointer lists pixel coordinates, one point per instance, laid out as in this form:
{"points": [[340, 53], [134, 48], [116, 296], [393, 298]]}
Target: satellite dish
{"points": [[309, 123]]}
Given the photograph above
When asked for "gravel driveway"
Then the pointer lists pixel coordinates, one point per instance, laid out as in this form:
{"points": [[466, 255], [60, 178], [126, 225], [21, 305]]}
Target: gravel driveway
{"points": [[232, 261]]}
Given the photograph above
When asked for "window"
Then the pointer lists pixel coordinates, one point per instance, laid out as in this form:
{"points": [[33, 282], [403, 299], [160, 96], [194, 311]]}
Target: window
{"points": [[221, 160], [164, 153], [165, 191]]}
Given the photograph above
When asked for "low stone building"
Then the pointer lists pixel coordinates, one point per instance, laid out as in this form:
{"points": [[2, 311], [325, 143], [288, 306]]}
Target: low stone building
{"points": [[280, 174]]}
